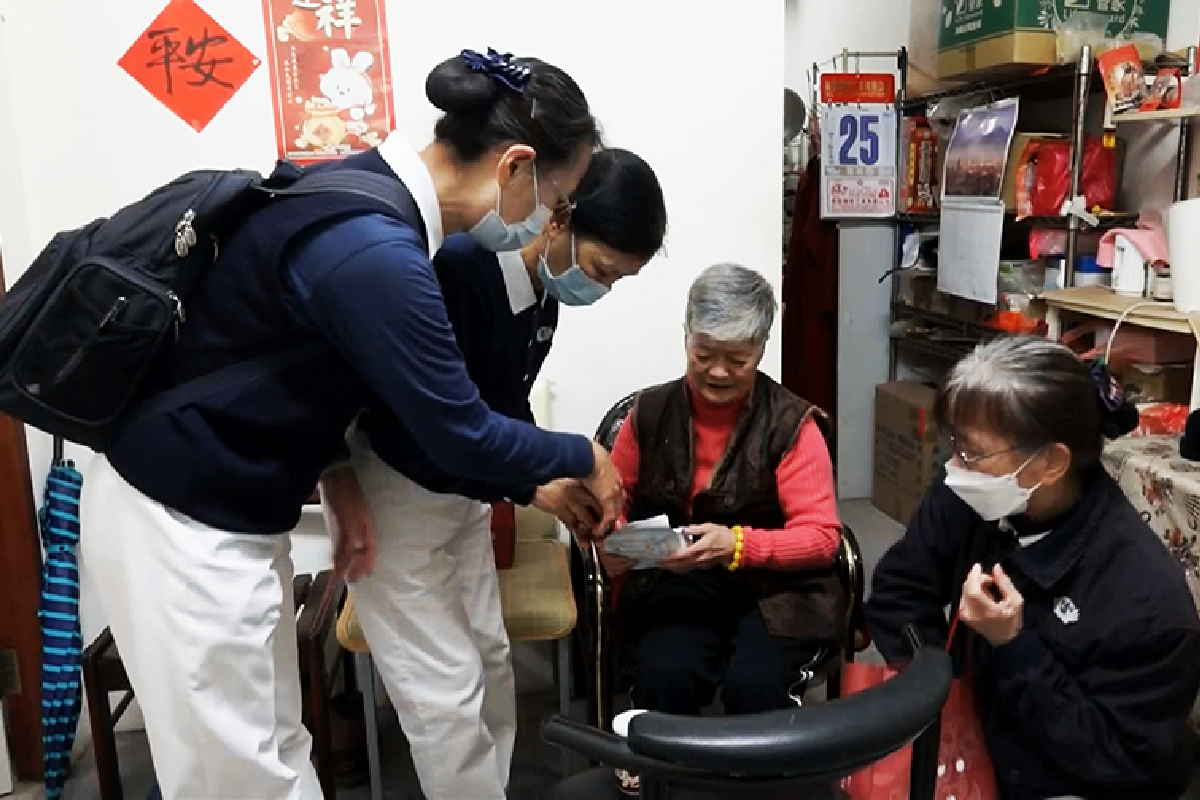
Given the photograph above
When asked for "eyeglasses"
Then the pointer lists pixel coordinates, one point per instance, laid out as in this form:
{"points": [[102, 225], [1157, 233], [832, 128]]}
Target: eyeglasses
{"points": [[970, 461]]}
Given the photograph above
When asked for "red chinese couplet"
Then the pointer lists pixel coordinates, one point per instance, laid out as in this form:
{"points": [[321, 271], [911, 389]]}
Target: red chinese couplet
{"points": [[866, 87], [331, 77], [189, 62]]}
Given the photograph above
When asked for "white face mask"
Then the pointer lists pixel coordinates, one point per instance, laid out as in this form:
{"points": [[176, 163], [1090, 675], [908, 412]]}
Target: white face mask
{"points": [[494, 234], [992, 497]]}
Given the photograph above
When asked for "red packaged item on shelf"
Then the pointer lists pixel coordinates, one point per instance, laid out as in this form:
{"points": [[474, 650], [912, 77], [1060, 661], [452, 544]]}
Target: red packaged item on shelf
{"points": [[1165, 93], [1044, 177], [918, 193], [1161, 419], [1123, 77]]}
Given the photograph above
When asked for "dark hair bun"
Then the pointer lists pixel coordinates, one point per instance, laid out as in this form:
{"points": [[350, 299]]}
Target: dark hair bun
{"points": [[455, 88]]}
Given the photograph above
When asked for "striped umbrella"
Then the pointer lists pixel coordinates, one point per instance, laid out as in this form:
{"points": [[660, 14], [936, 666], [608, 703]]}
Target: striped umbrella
{"points": [[62, 644]]}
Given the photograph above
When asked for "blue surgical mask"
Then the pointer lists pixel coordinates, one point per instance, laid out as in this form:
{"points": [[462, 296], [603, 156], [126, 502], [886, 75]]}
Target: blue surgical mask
{"points": [[494, 234], [574, 287]]}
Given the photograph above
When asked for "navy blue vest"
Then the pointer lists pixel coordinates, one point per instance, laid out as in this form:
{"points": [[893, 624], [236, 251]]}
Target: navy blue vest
{"points": [[245, 458]]}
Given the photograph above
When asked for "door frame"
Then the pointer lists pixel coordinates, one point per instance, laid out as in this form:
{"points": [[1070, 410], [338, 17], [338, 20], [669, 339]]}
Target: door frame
{"points": [[20, 577]]}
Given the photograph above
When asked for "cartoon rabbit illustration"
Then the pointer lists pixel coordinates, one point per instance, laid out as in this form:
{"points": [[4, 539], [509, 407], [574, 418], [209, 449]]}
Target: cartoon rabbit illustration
{"points": [[346, 84]]}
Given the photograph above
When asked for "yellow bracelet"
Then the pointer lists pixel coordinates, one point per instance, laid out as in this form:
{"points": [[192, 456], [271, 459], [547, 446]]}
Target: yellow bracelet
{"points": [[738, 543]]}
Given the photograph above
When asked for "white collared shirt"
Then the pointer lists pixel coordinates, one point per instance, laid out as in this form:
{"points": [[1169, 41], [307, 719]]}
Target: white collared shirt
{"points": [[518, 284], [411, 170]]}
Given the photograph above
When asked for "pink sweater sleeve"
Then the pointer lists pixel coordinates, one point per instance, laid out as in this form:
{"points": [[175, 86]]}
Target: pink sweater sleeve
{"points": [[810, 537]]}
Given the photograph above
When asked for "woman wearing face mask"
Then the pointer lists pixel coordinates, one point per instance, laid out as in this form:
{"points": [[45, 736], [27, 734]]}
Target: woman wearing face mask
{"points": [[187, 514], [428, 599], [1083, 639]]}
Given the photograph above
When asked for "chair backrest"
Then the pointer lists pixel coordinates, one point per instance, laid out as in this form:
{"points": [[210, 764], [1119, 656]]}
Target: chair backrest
{"points": [[852, 575], [610, 426]]}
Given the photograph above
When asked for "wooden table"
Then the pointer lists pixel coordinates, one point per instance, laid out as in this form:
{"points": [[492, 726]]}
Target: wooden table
{"points": [[1103, 303]]}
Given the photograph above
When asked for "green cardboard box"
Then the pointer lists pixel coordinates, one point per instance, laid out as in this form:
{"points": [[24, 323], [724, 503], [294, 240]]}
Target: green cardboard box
{"points": [[988, 35]]}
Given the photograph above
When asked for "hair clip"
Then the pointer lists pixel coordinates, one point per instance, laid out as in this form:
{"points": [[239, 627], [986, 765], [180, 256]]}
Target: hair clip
{"points": [[1107, 387], [499, 66]]}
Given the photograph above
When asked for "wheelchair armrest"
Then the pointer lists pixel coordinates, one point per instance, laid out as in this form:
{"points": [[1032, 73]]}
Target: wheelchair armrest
{"points": [[609, 748], [824, 740]]}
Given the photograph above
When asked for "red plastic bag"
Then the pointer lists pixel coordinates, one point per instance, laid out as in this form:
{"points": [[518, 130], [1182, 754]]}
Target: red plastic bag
{"points": [[965, 769], [964, 766], [1045, 192], [1161, 419]]}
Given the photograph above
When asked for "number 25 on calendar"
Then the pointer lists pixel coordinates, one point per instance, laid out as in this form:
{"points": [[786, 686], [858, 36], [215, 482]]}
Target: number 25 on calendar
{"points": [[863, 132], [861, 137]]}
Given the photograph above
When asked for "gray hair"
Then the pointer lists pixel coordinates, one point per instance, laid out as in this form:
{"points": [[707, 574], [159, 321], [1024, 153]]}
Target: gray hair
{"points": [[730, 303], [1029, 390]]}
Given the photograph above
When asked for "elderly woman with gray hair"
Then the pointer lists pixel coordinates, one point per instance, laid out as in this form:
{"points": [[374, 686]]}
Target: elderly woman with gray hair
{"points": [[741, 462], [1082, 637]]}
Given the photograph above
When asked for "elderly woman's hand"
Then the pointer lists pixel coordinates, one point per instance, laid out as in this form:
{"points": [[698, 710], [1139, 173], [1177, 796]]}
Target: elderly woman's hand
{"points": [[991, 605], [714, 547]]}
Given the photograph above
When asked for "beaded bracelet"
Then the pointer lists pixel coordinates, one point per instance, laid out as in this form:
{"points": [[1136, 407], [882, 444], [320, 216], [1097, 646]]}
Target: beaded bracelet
{"points": [[738, 544]]}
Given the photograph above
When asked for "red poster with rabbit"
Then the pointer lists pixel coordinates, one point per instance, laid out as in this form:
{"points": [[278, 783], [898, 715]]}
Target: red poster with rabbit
{"points": [[330, 77]]}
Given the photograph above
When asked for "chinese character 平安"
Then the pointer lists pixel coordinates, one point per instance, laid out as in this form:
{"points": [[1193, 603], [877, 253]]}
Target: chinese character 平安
{"points": [[192, 56]]}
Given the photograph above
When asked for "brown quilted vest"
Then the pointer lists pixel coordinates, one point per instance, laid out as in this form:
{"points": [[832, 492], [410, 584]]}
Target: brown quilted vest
{"points": [[801, 605]]}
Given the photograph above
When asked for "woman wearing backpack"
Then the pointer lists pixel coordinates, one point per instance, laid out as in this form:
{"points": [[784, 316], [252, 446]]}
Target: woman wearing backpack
{"points": [[428, 599], [186, 514]]}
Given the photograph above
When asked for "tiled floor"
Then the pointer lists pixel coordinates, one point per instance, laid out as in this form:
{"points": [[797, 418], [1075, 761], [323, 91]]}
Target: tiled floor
{"points": [[536, 765]]}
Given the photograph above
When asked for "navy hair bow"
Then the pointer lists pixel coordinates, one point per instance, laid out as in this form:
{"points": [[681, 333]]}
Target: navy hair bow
{"points": [[499, 66]]}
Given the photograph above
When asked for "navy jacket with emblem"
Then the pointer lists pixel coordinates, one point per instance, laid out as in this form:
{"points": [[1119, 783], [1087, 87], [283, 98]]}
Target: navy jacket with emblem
{"points": [[338, 271], [1092, 697], [503, 351]]}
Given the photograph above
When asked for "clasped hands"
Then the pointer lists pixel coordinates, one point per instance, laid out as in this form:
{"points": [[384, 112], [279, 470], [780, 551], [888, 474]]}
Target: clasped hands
{"points": [[991, 605], [588, 507]]}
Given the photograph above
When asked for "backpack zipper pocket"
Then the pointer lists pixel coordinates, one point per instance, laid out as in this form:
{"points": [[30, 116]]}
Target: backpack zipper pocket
{"points": [[77, 357]]}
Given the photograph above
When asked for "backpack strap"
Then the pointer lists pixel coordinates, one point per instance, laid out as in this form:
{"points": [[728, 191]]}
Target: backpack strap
{"points": [[387, 191]]}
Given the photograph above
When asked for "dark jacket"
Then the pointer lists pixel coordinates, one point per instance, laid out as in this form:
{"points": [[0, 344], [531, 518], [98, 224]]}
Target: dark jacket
{"points": [[329, 270], [1092, 697], [504, 353], [742, 491]]}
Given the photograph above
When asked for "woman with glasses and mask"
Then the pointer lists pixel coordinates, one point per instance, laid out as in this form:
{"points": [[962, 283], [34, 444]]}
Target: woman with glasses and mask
{"points": [[1083, 640], [186, 516], [425, 589]]}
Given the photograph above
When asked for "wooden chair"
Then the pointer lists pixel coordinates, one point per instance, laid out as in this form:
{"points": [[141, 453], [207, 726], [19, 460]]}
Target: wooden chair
{"points": [[317, 603]]}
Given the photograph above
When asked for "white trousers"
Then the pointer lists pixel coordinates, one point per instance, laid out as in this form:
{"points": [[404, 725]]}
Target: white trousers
{"points": [[205, 623], [431, 614]]}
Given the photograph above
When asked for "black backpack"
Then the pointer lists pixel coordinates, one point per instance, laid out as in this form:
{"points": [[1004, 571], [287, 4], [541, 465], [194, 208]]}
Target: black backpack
{"points": [[82, 328]]}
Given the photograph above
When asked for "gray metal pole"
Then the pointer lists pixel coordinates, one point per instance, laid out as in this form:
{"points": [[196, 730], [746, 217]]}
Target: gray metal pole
{"points": [[1182, 164], [1079, 108]]}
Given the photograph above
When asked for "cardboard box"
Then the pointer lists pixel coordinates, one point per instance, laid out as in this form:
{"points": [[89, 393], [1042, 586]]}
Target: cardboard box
{"points": [[908, 448], [924, 23], [987, 35]]}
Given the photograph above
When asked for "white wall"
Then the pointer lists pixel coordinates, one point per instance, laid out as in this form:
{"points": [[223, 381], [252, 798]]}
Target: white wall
{"points": [[817, 30], [79, 138]]}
